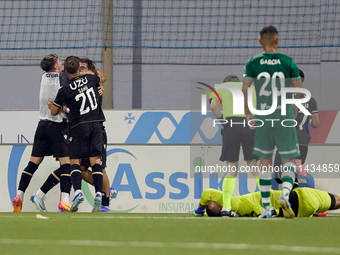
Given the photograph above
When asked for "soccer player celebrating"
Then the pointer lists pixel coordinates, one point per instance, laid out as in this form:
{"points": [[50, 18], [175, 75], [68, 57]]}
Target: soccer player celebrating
{"points": [[54, 178], [49, 137], [270, 72], [81, 97]]}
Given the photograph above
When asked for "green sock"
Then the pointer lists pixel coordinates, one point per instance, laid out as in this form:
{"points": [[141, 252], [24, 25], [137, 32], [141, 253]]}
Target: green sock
{"points": [[288, 176], [266, 185], [228, 190]]}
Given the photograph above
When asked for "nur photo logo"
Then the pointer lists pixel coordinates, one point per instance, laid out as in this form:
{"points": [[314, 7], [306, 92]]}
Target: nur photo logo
{"points": [[239, 101]]}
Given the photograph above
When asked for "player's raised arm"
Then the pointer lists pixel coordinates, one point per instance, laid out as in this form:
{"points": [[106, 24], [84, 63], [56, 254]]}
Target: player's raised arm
{"points": [[215, 108]]}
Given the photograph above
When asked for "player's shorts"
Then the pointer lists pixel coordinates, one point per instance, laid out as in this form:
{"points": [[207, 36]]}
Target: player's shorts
{"points": [[284, 138], [51, 139], [311, 201], [235, 136], [86, 162], [86, 140]]}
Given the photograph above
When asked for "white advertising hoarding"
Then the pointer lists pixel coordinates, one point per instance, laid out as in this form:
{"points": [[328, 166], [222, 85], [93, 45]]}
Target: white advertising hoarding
{"points": [[150, 178]]}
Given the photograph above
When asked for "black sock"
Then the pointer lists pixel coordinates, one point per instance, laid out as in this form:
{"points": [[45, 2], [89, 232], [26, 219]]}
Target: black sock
{"points": [[97, 177], [26, 175], [76, 177], [105, 201], [52, 180], [65, 178]]}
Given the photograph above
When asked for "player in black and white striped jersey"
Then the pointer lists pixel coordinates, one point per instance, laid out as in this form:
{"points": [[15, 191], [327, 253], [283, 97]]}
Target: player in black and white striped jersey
{"points": [[49, 137]]}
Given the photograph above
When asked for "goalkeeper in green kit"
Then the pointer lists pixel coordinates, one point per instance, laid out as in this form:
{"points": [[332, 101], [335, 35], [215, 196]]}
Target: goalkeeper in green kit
{"points": [[271, 71]]}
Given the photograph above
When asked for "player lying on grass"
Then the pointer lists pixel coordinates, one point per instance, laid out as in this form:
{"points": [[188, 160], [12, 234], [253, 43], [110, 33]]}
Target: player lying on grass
{"points": [[304, 202]]}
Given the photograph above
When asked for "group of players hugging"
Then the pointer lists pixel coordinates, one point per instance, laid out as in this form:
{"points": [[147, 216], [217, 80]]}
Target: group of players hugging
{"points": [[71, 130]]}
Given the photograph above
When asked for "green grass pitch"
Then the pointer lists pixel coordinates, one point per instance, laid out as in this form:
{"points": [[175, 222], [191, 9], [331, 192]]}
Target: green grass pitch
{"points": [[88, 233]]}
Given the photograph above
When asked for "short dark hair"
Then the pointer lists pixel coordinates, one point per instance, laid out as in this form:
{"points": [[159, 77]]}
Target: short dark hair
{"points": [[71, 64], [231, 78], [213, 209], [302, 75], [90, 64], [48, 62], [270, 30]]}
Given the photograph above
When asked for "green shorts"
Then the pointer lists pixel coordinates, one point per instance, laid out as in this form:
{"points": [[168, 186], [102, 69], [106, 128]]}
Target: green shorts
{"points": [[284, 138]]}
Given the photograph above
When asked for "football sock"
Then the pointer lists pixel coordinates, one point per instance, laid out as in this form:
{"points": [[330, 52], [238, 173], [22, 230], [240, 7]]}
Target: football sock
{"points": [[76, 192], [65, 179], [97, 177], [65, 197], [40, 194], [76, 177], [21, 195], [26, 176], [52, 180], [265, 187], [288, 176], [105, 199], [227, 190]]}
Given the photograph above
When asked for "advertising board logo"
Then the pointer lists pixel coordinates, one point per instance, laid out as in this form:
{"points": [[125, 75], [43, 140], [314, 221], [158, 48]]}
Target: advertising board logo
{"points": [[264, 93], [204, 97], [148, 125]]}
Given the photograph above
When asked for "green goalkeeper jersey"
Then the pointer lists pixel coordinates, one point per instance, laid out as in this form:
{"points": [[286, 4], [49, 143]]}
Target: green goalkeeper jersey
{"points": [[251, 204], [269, 70]]}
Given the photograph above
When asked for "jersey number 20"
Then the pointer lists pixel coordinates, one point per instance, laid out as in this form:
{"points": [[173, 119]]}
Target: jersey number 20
{"points": [[88, 95]]}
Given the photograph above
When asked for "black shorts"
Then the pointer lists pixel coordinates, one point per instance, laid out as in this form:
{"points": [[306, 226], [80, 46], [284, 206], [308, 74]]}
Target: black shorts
{"points": [[86, 162], [51, 139], [235, 136], [86, 140]]}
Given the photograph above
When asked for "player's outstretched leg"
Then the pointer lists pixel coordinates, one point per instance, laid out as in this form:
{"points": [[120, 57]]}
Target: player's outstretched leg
{"points": [[25, 179], [288, 176]]}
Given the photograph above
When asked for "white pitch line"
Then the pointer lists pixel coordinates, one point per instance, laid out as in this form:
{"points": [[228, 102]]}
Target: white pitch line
{"points": [[94, 216], [216, 246]]}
